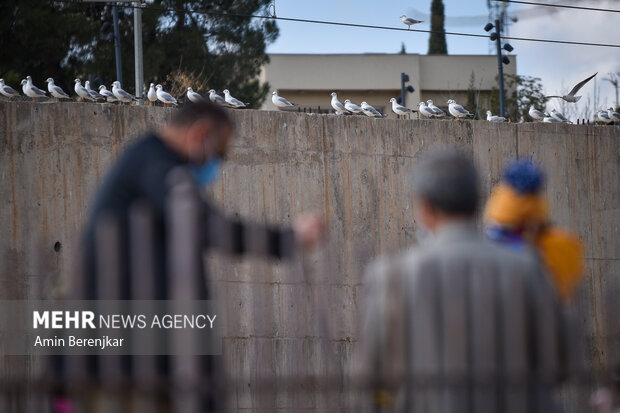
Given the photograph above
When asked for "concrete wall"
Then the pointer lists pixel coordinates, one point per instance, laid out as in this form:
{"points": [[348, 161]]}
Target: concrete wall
{"points": [[351, 168]]}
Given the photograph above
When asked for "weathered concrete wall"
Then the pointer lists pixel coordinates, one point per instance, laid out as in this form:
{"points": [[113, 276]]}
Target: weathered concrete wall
{"points": [[352, 168]]}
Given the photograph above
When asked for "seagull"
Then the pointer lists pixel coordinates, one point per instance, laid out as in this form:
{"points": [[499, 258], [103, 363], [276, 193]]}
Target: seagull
{"points": [[438, 112], [409, 21], [338, 107], [370, 111], [535, 113], [194, 97], [152, 94], [614, 116], [352, 107], [235, 103], [549, 119], [31, 90], [571, 95], [55, 91], [559, 116], [492, 118], [7, 91], [603, 117], [399, 109], [81, 91], [279, 101], [93, 93], [457, 110], [120, 94], [165, 97], [215, 98], [426, 111], [109, 96]]}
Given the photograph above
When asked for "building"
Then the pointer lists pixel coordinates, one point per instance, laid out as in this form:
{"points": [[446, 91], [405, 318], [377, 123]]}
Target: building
{"points": [[309, 79]]}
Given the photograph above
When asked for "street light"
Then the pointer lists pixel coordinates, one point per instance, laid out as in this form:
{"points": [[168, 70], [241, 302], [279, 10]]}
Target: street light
{"points": [[404, 78], [496, 37]]}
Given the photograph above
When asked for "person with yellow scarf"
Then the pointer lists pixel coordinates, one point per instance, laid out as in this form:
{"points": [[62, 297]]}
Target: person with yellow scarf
{"points": [[517, 215]]}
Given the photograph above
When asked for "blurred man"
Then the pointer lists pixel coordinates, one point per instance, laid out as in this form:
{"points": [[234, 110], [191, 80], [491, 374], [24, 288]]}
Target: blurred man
{"points": [[446, 325]]}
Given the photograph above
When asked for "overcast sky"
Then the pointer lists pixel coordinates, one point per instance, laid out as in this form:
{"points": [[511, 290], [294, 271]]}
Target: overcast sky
{"points": [[559, 66]]}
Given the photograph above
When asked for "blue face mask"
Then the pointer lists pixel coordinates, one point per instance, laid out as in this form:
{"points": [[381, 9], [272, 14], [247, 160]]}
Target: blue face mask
{"points": [[206, 173]]}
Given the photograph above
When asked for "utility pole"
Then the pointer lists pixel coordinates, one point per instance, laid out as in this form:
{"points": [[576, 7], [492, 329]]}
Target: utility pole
{"points": [[500, 67], [117, 45], [404, 78], [137, 40]]}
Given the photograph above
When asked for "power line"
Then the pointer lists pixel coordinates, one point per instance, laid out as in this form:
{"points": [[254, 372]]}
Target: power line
{"points": [[364, 26], [562, 6]]}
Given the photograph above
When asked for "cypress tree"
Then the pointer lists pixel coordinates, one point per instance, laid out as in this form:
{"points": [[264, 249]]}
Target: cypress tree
{"points": [[437, 41]]}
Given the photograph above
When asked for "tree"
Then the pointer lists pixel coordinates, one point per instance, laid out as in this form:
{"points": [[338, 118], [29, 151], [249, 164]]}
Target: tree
{"points": [[226, 49], [403, 49], [521, 93], [437, 40]]}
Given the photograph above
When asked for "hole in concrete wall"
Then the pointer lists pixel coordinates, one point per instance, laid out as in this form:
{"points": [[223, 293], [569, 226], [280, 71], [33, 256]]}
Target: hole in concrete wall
{"points": [[57, 246]]}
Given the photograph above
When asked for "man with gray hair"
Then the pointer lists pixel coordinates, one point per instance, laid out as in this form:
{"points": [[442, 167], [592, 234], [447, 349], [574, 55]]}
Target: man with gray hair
{"points": [[458, 324]]}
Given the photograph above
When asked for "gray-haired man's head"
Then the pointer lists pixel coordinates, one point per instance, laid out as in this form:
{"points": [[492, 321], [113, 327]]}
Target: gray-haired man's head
{"points": [[446, 182]]}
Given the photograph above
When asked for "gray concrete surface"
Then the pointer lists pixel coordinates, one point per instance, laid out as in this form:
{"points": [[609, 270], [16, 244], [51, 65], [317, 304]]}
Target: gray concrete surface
{"points": [[354, 169]]}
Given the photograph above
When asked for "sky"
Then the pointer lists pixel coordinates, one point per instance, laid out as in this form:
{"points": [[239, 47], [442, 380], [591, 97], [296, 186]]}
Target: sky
{"points": [[559, 66]]}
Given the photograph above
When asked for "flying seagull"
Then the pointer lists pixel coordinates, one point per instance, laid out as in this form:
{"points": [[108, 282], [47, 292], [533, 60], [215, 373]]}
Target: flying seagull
{"points": [[120, 94], [438, 112], [426, 111], [352, 107], [7, 91], [559, 116], [93, 93], [194, 97], [571, 95], [535, 113], [370, 111], [492, 118], [55, 91], [215, 98], [165, 97], [337, 105], [31, 90], [235, 103], [109, 96], [457, 110], [81, 90], [279, 101], [409, 21], [399, 109]]}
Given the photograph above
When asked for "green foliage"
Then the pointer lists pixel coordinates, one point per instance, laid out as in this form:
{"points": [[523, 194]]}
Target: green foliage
{"points": [[403, 49], [520, 93], [45, 38], [437, 41]]}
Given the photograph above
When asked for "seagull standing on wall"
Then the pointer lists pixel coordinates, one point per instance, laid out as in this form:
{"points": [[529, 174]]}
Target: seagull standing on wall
{"points": [[603, 116], [570, 97], [165, 97], [93, 93], [370, 111], [109, 96], [7, 91], [217, 99], [409, 21], [152, 94], [194, 97], [559, 116], [338, 107], [81, 91], [31, 90], [438, 112], [352, 107], [614, 116], [279, 101], [120, 94], [399, 109], [55, 91], [457, 110], [549, 119], [492, 118], [426, 111], [535, 113], [235, 103]]}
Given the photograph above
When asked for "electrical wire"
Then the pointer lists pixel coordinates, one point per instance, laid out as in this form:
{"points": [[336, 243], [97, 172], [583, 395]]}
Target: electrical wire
{"points": [[357, 25], [562, 6]]}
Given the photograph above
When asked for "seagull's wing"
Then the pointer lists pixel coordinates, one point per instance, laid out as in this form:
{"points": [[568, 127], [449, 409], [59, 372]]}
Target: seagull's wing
{"points": [[340, 106], [284, 101], [10, 90], [402, 108], [554, 97], [61, 92], [460, 109], [124, 94], [373, 111], [167, 96], [409, 20], [559, 115], [580, 85], [38, 91], [538, 113], [236, 102]]}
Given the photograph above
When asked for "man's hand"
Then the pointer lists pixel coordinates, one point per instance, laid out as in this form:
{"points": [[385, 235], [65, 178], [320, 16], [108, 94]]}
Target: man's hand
{"points": [[309, 229]]}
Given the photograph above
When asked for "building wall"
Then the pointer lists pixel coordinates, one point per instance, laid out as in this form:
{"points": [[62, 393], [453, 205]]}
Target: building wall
{"points": [[352, 169]]}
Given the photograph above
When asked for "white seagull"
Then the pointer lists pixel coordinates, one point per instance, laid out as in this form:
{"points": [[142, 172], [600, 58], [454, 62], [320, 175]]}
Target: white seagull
{"points": [[559, 116], [570, 97], [194, 97], [93, 93], [7, 91], [492, 118], [338, 107], [109, 96], [279, 101], [120, 94], [165, 97], [370, 111], [438, 112], [235, 103], [55, 91], [399, 109], [613, 115], [549, 119], [457, 110], [602, 116], [31, 90], [81, 91], [535, 113], [152, 94], [352, 107], [426, 111], [409, 21], [215, 98]]}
